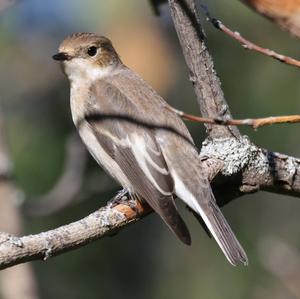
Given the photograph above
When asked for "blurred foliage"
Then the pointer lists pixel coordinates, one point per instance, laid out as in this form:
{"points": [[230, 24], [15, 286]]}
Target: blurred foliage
{"points": [[145, 260]]}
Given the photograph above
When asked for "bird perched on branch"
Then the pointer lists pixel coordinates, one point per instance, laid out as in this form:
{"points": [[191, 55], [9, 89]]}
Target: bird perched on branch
{"points": [[146, 147]]}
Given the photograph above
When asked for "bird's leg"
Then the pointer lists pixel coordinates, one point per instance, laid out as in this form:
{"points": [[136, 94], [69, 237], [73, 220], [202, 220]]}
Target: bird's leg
{"points": [[124, 197]]}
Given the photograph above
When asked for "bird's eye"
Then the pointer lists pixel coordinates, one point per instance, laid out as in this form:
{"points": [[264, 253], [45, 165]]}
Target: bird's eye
{"points": [[92, 51]]}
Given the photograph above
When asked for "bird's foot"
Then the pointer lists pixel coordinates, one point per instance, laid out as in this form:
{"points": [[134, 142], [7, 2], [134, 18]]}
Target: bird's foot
{"points": [[125, 198], [122, 197]]}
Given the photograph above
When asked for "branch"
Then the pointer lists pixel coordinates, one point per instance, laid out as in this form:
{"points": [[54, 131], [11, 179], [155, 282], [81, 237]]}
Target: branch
{"points": [[255, 123], [206, 84], [246, 168], [248, 45], [104, 222]]}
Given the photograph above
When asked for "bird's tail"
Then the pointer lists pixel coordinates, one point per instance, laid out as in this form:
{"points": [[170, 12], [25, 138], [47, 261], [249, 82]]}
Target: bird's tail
{"points": [[224, 236], [205, 205]]}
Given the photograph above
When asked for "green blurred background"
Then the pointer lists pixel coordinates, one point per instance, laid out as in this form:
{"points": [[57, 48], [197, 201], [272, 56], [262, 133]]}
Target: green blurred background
{"points": [[145, 260]]}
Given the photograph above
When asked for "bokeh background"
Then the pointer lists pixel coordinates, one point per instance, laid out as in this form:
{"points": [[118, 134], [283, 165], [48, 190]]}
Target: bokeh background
{"points": [[145, 260]]}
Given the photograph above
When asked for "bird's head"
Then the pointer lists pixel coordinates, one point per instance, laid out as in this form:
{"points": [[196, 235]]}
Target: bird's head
{"points": [[87, 56]]}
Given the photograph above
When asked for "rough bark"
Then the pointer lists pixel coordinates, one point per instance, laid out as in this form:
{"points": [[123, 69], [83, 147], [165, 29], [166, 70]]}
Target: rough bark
{"points": [[202, 74], [104, 222], [243, 168]]}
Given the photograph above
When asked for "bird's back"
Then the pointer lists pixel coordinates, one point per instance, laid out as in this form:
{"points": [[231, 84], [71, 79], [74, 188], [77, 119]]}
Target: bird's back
{"points": [[147, 104]]}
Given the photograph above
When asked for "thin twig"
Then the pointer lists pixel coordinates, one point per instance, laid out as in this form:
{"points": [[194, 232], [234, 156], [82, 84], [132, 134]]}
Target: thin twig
{"points": [[248, 44], [255, 123]]}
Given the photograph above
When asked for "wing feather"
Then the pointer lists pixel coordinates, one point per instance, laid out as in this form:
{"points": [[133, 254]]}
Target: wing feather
{"points": [[135, 150]]}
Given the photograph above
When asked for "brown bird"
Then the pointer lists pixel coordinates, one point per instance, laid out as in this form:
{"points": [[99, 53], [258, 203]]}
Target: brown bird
{"points": [[129, 131]]}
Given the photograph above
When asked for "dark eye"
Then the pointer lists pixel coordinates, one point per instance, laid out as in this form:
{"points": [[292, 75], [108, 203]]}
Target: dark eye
{"points": [[92, 51]]}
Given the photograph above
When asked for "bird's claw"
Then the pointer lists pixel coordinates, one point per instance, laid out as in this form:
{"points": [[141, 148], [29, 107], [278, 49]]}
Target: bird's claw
{"points": [[125, 198]]}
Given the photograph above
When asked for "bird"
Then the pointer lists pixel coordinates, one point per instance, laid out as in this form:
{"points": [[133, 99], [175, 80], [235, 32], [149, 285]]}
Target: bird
{"points": [[129, 130]]}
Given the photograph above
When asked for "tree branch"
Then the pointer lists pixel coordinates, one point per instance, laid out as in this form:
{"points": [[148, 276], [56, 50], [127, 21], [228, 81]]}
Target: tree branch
{"points": [[104, 222], [202, 74], [248, 45], [248, 168], [245, 168], [255, 123]]}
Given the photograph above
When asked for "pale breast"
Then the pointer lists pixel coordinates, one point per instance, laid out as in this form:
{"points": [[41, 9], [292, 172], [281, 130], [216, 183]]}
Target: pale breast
{"points": [[78, 98], [99, 154], [80, 103]]}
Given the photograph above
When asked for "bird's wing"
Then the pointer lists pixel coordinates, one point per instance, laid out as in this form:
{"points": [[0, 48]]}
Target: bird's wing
{"points": [[192, 186], [131, 144]]}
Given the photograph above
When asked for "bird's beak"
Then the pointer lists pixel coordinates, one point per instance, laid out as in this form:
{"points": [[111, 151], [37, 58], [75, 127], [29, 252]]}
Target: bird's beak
{"points": [[61, 56]]}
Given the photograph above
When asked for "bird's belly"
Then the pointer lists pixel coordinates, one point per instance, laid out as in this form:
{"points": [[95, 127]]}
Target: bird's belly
{"points": [[100, 155]]}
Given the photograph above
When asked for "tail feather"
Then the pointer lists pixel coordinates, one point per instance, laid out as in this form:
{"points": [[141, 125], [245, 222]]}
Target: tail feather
{"points": [[174, 221], [225, 237], [205, 205]]}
